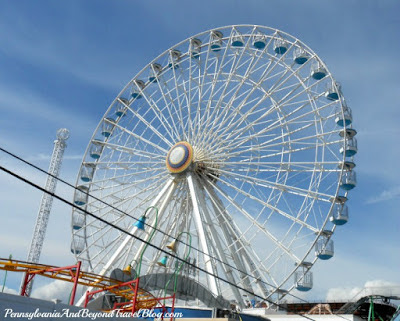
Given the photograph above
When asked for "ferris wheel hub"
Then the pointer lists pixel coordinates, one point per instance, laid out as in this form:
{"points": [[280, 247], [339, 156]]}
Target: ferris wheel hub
{"points": [[180, 157]]}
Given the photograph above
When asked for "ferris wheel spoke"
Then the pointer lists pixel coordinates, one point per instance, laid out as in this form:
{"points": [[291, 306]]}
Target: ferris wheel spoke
{"points": [[274, 185], [299, 118], [308, 146], [291, 95], [136, 136], [256, 223], [215, 89], [292, 166], [157, 114], [146, 123], [270, 143], [138, 151], [225, 120], [122, 178], [99, 182], [274, 208], [277, 87], [166, 94], [192, 83], [181, 96], [202, 90], [228, 82], [226, 128], [288, 122], [117, 190], [237, 243], [300, 149], [117, 199]]}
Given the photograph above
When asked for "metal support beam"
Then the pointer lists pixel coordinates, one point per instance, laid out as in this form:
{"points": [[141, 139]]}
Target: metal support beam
{"points": [[193, 188]]}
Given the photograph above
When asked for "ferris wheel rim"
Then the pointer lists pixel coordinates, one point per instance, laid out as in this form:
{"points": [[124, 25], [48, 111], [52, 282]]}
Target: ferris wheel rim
{"points": [[188, 40]]}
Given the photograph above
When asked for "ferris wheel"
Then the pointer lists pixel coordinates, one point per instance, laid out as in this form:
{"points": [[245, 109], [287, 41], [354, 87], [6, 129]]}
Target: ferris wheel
{"points": [[237, 146]]}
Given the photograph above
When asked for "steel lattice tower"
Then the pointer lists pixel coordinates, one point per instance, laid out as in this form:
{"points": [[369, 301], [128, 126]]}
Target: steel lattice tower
{"points": [[47, 200]]}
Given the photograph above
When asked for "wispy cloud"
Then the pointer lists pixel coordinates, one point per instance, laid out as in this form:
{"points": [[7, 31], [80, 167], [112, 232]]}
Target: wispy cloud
{"points": [[386, 195], [27, 104], [47, 157]]}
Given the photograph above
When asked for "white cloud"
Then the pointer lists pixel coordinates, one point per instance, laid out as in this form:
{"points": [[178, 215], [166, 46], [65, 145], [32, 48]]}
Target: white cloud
{"points": [[374, 287], [10, 291], [55, 290], [342, 294], [386, 195], [47, 157]]}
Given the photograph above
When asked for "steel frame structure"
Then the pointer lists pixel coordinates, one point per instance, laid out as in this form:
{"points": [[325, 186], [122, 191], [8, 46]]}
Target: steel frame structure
{"points": [[46, 203]]}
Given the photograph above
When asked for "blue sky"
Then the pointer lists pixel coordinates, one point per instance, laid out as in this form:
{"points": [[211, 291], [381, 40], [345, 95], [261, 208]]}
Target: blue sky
{"points": [[63, 63]]}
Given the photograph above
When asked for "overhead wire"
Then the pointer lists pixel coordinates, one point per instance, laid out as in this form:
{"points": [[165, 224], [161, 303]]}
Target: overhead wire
{"points": [[146, 224], [140, 239], [53, 194]]}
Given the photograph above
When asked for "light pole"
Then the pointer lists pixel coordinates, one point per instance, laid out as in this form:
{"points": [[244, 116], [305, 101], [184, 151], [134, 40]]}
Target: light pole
{"points": [[172, 246], [140, 224]]}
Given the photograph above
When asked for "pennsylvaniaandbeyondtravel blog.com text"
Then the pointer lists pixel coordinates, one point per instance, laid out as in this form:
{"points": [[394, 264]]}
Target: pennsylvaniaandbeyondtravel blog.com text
{"points": [[87, 314]]}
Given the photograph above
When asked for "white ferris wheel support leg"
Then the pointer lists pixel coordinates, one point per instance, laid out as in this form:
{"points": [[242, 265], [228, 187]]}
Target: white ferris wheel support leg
{"points": [[234, 239], [169, 185], [202, 237], [235, 246], [220, 250]]}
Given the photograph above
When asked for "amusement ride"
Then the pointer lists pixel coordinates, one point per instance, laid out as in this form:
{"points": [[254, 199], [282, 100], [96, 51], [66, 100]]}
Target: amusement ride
{"points": [[233, 150]]}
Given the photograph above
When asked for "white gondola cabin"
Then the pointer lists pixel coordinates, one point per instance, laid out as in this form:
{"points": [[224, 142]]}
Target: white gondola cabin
{"points": [[87, 172], [259, 41], [107, 127], [300, 56], [174, 58], [324, 249], [121, 107], [348, 181], [344, 116], [78, 219], [280, 46], [216, 40], [303, 277], [96, 148], [81, 195], [333, 92], [237, 40], [350, 149], [318, 71], [340, 214], [77, 244], [155, 70], [195, 48], [137, 89]]}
